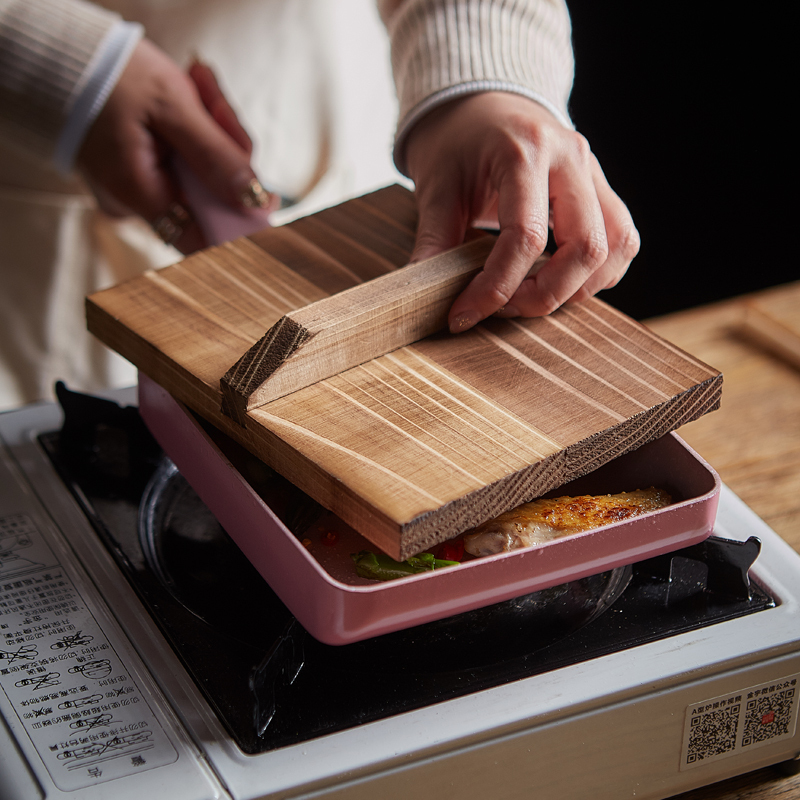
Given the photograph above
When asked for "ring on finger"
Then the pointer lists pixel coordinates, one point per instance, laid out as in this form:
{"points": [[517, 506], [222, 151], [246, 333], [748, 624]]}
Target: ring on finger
{"points": [[170, 225], [255, 195]]}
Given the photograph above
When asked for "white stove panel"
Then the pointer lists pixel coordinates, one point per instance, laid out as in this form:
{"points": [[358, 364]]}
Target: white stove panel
{"points": [[79, 707]]}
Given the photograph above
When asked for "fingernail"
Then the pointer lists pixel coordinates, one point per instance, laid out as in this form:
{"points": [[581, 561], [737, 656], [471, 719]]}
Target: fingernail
{"points": [[255, 195], [464, 321]]}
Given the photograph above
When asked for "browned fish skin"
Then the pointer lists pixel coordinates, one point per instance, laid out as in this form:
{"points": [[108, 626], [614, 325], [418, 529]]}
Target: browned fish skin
{"points": [[546, 519]]}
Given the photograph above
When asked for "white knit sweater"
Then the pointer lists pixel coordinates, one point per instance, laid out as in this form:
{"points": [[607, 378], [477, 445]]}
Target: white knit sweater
{"points": [[442, 49], [323, 130], [49, 50]]}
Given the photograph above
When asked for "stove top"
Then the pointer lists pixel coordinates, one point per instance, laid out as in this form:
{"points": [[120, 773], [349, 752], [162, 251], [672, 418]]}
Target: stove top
{"points": [[274, 685], [273, 688]]}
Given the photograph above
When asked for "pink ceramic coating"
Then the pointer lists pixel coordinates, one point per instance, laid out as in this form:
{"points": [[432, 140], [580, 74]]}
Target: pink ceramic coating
{"points": [[336, 612], [218, 221]]}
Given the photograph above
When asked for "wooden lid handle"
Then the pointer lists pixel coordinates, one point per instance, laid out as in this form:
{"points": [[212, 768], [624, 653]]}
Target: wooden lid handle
{"points": [[350, 328]]}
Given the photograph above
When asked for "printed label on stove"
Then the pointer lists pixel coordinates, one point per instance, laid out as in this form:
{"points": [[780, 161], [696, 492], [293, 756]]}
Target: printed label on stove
{"points": [[87, 718], [736, 723]]}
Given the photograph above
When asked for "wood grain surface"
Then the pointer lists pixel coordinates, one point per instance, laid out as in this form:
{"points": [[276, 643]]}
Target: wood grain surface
{"points": [[351, 327], [754, 443], [772, 320], [422, 443]]}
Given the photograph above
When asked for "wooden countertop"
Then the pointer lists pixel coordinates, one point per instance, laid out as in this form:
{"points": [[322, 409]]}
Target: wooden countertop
{"points": [[753, 441]]}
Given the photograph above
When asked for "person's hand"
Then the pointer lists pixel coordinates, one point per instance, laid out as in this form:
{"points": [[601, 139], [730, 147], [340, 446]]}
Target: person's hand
{"points": [[501, 159], [155, 113]]}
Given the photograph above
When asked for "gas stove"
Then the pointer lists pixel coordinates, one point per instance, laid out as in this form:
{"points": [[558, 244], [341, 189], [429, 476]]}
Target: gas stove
{"points": [[141, 652]]}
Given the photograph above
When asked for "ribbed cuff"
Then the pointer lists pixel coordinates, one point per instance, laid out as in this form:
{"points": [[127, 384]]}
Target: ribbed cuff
{"points": [[442, 49], [102, 74], [46, 47]]}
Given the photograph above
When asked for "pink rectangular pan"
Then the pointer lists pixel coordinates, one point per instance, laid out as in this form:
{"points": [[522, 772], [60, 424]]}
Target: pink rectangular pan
{"points": [[318, 583]]}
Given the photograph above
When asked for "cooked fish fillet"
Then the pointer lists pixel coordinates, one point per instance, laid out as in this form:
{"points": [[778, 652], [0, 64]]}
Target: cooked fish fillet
{"points": [[544, 520]]}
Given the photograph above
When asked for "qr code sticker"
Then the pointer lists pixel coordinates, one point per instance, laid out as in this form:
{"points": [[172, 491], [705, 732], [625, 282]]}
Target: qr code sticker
{"points": [[768, 717], [739, 722], [713, 733]]}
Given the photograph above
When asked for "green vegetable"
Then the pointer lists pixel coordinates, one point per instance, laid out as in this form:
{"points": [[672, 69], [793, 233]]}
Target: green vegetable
{"points": [[382, 568]]}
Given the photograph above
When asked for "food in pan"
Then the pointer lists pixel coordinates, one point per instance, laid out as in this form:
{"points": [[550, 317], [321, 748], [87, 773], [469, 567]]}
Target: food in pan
{"points": [[383, 568], [527, 525], [544, 520]]}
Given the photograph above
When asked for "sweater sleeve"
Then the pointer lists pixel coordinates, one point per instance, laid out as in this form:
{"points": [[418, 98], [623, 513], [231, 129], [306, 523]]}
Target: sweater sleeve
{"points": [[49, 54], [442, 49]]}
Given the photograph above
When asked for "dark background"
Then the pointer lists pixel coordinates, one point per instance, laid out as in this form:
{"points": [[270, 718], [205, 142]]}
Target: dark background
{"points": [[686, 107]]}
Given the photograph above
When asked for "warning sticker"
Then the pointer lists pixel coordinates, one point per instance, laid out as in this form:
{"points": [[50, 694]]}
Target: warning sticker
{"points": [[88, 719], [741, 721]]}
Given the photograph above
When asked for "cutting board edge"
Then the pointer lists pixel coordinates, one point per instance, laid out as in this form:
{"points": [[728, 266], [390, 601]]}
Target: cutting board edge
{"points": [[426, 530], [130, 345]]}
